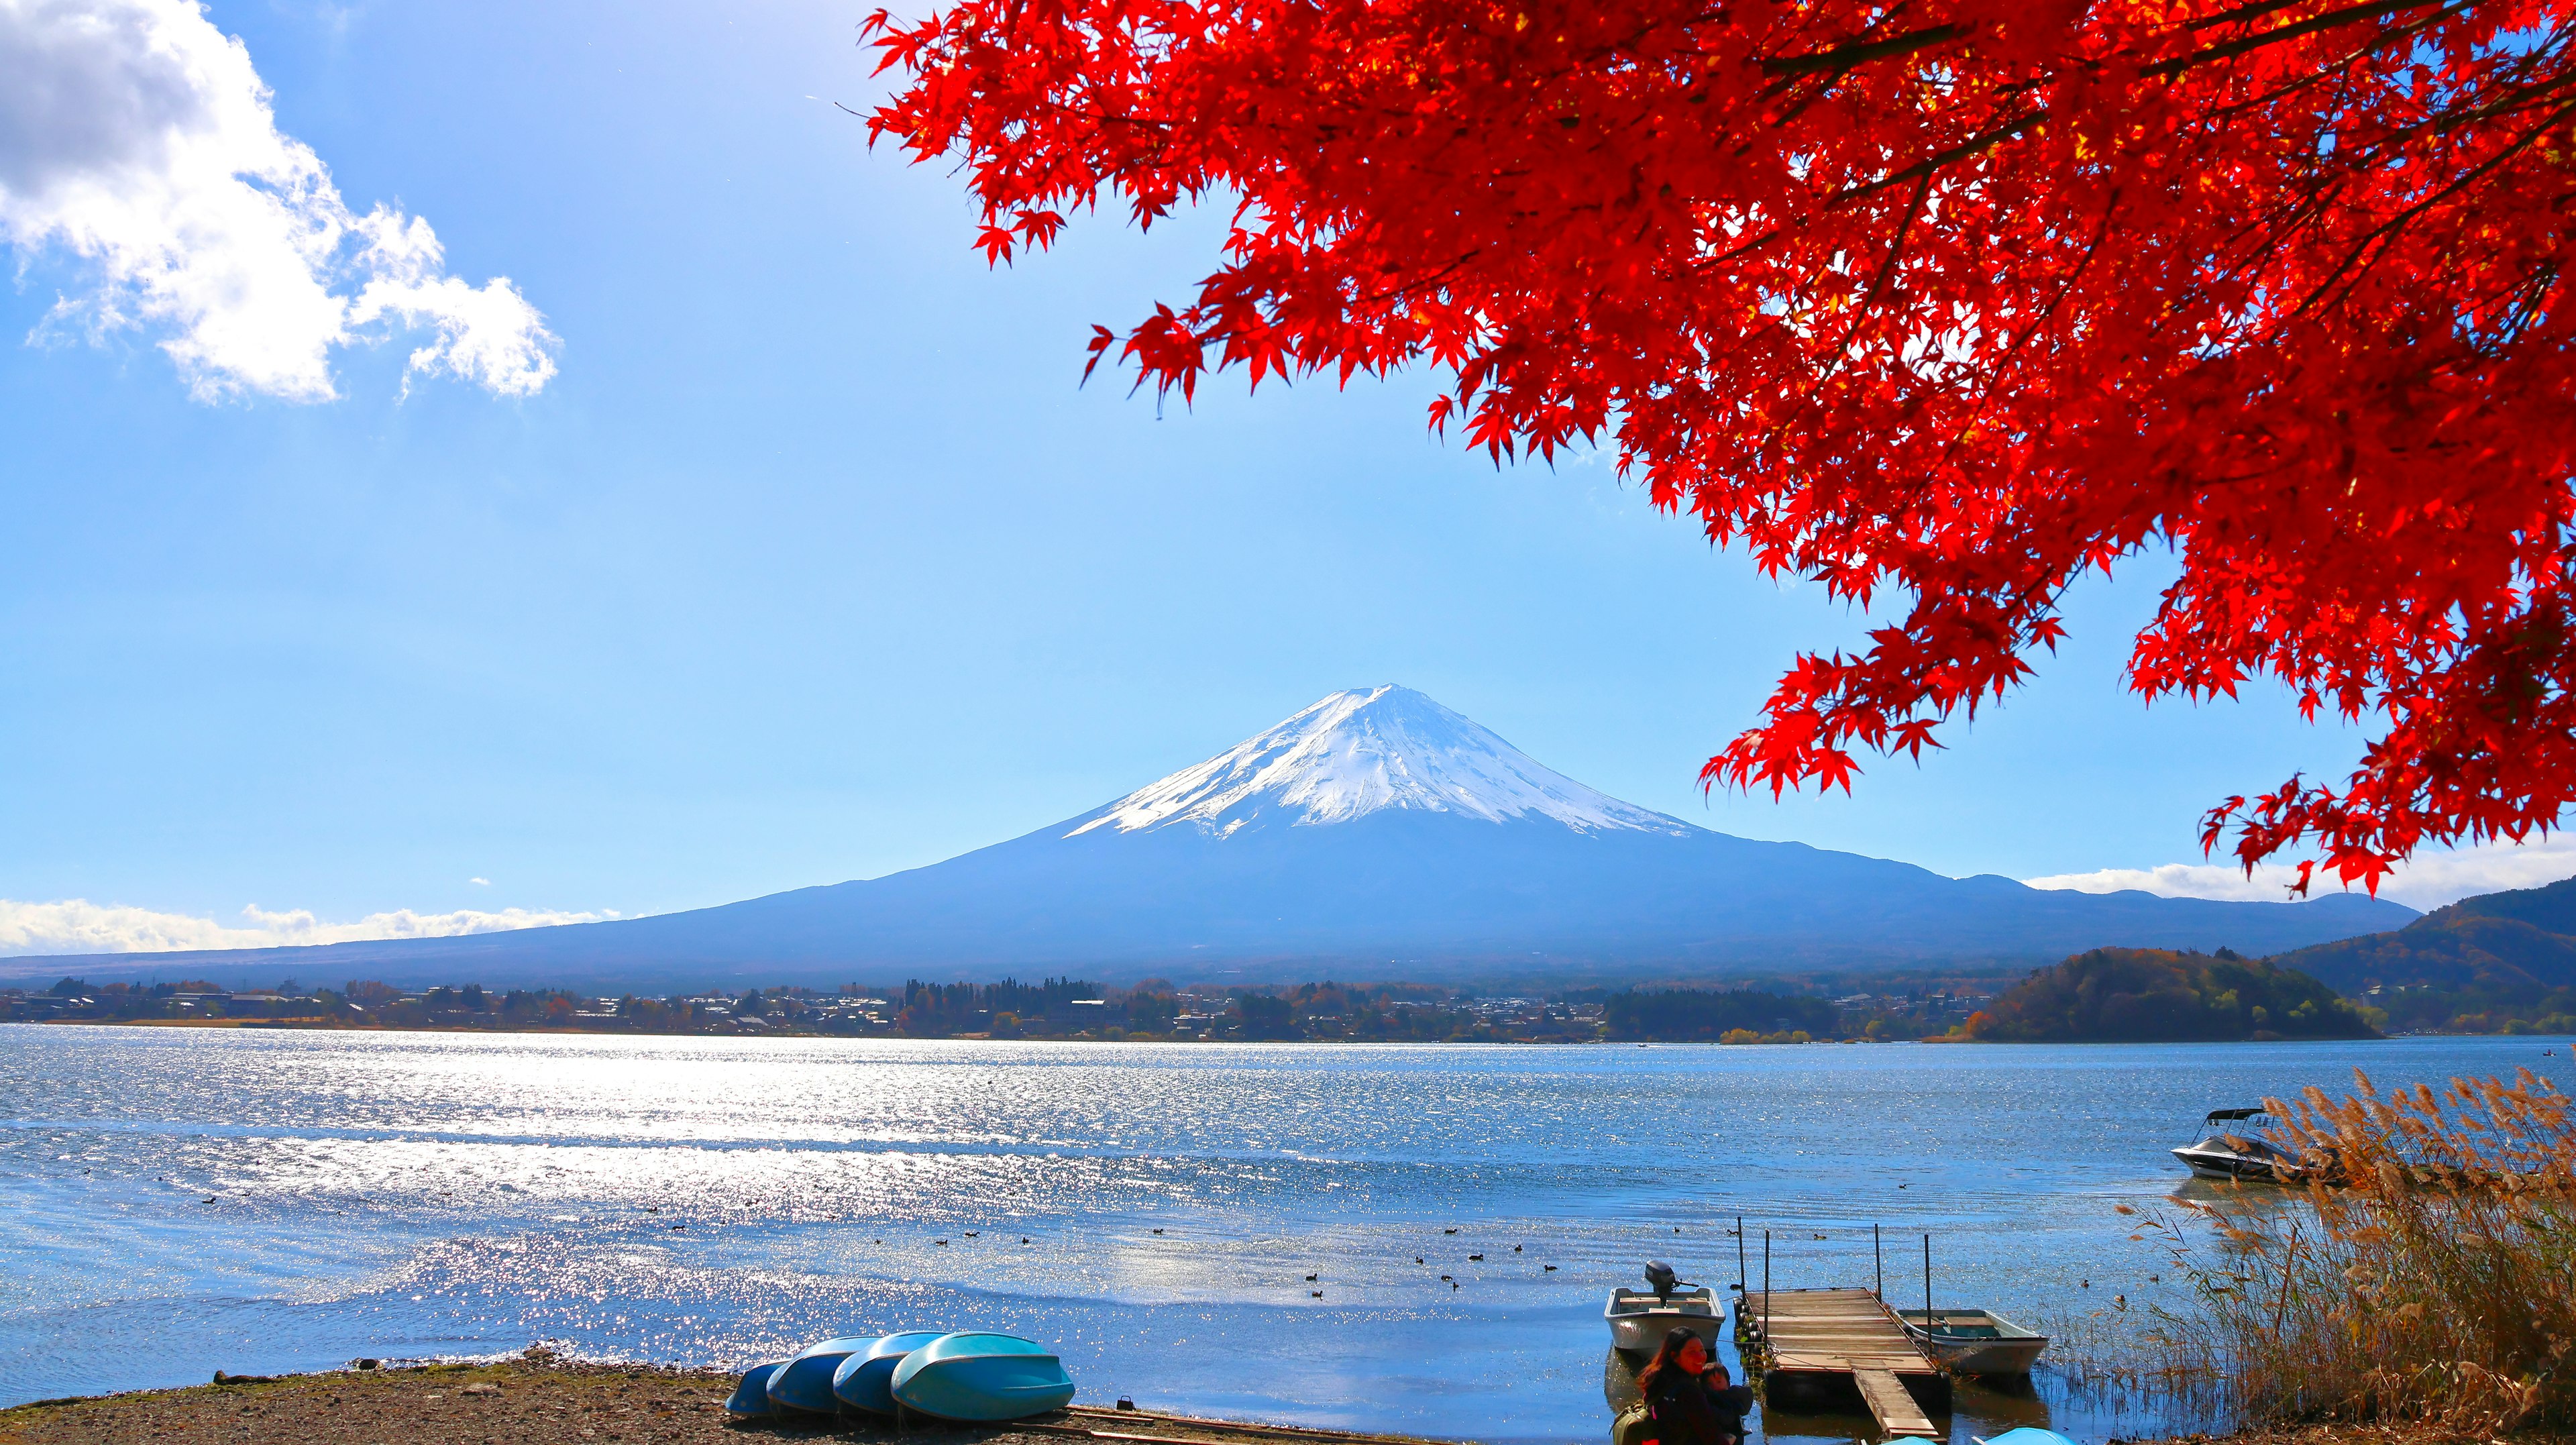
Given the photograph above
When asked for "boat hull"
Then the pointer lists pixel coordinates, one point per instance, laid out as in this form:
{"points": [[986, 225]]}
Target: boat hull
{"points": [[982, 1379], [2028, 1435], [1974, 1342], [1639, 1321], [2228, 1164], [804, 1384], [865, 1381], [751, 1397]]}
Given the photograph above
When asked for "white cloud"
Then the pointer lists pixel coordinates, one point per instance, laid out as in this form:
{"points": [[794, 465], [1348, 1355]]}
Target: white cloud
{"points": [[480, 882], [79, 926], [137, 137], [2431, 880]]}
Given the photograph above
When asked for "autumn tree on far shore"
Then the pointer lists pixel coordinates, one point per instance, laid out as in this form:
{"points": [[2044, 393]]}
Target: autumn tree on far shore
{"points": [[1953, 301]]}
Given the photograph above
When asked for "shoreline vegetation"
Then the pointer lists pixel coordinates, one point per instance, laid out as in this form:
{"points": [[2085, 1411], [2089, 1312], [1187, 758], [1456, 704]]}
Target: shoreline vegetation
{"points": [[2426, 1283], [2108, 995], [1054, 1009]]}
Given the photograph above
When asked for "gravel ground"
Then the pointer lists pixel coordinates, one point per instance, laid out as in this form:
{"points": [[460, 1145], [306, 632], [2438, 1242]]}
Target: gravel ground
{"points": [[520, 1402]]}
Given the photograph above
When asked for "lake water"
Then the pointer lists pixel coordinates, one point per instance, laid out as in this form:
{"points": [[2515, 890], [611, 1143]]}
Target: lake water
{"points": [[173, 1202]]}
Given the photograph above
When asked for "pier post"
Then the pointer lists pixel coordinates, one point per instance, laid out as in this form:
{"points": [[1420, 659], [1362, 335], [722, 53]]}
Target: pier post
{"points": [[1740, 1280], [1766, 1289], [1877, 1263], [1927, 1281]]}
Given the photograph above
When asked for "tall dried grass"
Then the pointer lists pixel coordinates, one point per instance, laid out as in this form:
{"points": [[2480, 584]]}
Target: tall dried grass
{"points": [[2428, 1277]]}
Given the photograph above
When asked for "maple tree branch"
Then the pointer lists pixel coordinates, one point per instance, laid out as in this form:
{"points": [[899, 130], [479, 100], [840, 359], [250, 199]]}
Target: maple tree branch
{"points": [[1974, 144], [1861, 52], [2452, 120], [2340, 70], [2332, 19], [2243, 12], [2387, 230]]}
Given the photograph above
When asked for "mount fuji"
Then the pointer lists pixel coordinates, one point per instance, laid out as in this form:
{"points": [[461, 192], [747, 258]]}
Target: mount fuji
{"points": [[1375, 834]]}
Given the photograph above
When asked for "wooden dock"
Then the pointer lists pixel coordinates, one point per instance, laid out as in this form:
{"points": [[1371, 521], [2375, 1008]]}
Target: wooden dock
{"points": [[1811, 1338]]}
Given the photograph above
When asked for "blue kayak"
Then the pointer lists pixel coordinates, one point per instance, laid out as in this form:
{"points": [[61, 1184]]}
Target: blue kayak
{"points": [[751, 1397], [982, 1378], [864, 1380], [2028, 1435], [805, 1382]]}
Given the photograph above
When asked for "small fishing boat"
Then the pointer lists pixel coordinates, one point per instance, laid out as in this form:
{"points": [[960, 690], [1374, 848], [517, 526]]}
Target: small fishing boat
{"points": [[981, 1378], [805, 1382], [751, 1397], [2222, 1152], [1974, 1342], [864, 1380], [1639, 1319]]}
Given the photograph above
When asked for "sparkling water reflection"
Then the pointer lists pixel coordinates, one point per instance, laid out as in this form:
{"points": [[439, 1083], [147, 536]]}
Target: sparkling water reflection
{"points": [[173, 1202]]}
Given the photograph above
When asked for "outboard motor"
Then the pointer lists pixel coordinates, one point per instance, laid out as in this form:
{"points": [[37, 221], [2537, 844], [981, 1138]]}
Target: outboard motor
{"points": [[1661, 1279]]}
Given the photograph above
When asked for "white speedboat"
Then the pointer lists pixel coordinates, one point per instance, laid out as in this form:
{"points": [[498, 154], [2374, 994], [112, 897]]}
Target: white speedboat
{"points": [[2230, 1146], [1974, 1342], [1639, 1319]]}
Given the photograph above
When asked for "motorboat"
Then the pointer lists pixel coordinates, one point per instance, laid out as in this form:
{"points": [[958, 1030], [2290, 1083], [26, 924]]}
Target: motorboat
{"points": [[864, 1381], [1639, 1319], [2024, 1435], [805, 1383], [751, 1397], [981, 1378], [1973, 1342], [2231, 1146]]}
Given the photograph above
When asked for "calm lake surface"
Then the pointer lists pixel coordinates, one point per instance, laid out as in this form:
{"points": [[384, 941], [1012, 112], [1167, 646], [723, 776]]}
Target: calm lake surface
{"points": [[173, 1202]]}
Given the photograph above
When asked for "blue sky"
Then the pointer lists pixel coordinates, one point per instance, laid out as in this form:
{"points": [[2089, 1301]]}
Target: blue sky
{"points": [[810, 560]]}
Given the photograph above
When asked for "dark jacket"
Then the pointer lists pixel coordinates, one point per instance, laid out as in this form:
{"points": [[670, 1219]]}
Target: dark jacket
{"points": [[1687, 1412]]}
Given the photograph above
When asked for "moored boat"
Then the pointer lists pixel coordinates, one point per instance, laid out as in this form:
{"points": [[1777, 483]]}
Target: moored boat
{"points": [[1973, 1342], [864, 1381], [1639, 1319], [981, 1378], [805, 1382], [751, 1397], [2239, 1152]]}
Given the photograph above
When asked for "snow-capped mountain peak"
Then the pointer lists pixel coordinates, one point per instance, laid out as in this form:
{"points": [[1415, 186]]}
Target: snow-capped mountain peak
{"points": [[1359, 752]]}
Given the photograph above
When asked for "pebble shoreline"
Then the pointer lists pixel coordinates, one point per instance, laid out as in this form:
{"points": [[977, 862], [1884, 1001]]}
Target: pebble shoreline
{"points": [[513, 1402]]}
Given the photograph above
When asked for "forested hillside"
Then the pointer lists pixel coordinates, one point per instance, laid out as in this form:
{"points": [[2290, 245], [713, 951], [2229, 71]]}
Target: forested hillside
{"points": [[2154, 995], [2497, 963]]}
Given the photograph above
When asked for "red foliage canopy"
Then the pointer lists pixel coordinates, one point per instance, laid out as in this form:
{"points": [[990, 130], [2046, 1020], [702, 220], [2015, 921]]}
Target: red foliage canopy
{"points": [[1962, 298]]}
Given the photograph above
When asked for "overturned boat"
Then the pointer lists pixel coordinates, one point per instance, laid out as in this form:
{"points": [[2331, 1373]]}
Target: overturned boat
{"points": [[981, 1378]]}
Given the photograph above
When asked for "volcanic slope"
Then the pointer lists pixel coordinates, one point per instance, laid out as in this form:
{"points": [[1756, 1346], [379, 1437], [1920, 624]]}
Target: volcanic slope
{"points": [[1375, 834]]}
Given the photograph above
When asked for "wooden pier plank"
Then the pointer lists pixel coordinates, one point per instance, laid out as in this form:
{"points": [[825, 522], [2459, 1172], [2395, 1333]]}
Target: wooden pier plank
{"points": [[1848, 1332], [1896, 1411]]}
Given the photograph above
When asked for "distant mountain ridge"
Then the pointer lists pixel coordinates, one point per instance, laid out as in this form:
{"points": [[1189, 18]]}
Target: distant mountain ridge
{"points": [[1375, 834], [2480, 962]]}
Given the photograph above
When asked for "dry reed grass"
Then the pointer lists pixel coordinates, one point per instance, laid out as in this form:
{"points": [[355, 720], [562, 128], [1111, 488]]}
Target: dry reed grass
{"points": [[2428, 1279]]}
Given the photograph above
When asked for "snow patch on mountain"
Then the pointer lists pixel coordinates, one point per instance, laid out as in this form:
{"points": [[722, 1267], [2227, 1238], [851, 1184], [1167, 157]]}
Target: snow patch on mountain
{"points": [[1358, 752]]}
